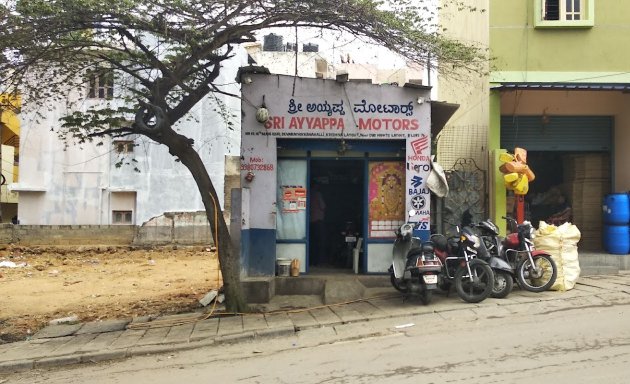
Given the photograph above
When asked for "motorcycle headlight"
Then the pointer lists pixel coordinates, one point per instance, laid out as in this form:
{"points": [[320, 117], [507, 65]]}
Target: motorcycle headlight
{"points": [[532, 233], [475, 241], [471, 238]]}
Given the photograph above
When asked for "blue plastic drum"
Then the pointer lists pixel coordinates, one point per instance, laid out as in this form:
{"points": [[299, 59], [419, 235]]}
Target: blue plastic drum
{"points": [[616, 208], [617, 239]]}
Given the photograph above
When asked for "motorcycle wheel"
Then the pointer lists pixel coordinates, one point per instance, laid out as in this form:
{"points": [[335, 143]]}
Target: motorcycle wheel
{"points": [[396, 282], [426, 296], [480, 288], [538, 280], [503, 284]]}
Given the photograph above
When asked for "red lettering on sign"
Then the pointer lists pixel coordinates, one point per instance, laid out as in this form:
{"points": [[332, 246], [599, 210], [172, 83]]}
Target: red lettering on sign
{"points": [[388, 124]]}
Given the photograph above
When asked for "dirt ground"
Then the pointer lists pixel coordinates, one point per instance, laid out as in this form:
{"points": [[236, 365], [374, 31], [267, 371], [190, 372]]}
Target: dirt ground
{"points": [[98, 283]]}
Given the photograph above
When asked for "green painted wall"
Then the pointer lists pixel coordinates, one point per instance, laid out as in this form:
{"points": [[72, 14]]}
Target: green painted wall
{"points": [[496, 187], [521, 47]]}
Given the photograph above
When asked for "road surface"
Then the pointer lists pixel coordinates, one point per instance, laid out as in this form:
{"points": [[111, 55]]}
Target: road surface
{"points": [[586, 344]]}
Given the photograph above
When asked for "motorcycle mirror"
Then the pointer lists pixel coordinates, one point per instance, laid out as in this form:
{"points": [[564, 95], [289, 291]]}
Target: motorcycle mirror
{"points": [[412, 213]]}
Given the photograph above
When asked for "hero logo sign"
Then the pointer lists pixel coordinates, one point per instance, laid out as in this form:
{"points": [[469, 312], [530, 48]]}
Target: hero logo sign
{"points": [[420, 144]]}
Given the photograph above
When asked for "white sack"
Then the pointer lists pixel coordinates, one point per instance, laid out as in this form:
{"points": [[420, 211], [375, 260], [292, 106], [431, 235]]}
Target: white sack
{"points": [[561, 243]]}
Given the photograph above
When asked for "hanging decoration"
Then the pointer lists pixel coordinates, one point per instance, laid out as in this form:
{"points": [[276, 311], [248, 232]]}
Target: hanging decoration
{"points": [[516, 173]]}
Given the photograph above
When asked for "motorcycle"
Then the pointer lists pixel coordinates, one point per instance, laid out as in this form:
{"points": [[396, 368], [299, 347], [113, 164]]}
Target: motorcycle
{"points": [[415, 268], [535, 270], [472, 276], [504, 272]]}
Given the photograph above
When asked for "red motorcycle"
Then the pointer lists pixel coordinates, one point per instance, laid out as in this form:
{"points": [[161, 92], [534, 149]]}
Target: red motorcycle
{"points": [[535, 269]]}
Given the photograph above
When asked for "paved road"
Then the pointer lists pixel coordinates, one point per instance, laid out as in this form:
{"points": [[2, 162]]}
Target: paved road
{"points": [[451, 320]]}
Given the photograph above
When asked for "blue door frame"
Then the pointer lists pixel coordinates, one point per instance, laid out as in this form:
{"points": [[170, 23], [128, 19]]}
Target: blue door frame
{"points": [[364, 147]]}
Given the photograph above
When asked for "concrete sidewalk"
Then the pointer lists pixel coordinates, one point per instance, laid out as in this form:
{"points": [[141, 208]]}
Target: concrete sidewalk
{"points": [[60, 345]]}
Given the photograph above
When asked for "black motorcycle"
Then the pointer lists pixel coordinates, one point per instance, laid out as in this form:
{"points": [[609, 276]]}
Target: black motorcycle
{"points": [[462, 265], [415, 268]]}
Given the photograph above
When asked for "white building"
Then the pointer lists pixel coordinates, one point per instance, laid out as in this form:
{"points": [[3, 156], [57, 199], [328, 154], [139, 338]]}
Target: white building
{"points": [[81, 184]]}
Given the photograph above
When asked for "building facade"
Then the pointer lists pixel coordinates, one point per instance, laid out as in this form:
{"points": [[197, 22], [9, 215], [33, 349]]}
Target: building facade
{"points": [[363, 148], [556, 86], [559, 88]]}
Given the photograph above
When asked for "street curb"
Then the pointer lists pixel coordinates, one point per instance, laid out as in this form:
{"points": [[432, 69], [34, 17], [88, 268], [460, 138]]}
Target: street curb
{"points": [[16, 366], [97, 357], [235, 337], [155, 349], [57, 361], [282, 331]]}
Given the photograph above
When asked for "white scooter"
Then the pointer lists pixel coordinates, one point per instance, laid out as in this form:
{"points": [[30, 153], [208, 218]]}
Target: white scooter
{"points": [[415, 268]]}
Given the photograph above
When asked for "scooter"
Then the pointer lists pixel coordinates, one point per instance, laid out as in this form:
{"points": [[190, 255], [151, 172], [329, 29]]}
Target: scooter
{"points": [[534, 269], [415, 268], [463, 265]]}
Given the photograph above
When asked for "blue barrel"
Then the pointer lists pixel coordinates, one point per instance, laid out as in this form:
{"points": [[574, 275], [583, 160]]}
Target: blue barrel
{"points": [[617, 239], [616, 208]]}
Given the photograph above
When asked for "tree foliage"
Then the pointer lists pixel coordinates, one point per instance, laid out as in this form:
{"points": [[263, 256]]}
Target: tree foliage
{"points": [[167, 54]]}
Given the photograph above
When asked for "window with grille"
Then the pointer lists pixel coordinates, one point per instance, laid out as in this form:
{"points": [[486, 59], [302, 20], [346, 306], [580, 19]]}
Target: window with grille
{"points": [[101, 84], [564, 13], [122, 217]]}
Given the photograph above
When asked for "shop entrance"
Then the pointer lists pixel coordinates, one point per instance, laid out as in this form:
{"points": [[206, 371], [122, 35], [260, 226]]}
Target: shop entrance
{"points": [[336, 211]]}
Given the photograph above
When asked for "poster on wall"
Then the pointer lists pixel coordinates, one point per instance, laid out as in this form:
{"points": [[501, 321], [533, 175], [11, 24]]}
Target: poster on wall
{"points": [[386, 195], [293, 198]]}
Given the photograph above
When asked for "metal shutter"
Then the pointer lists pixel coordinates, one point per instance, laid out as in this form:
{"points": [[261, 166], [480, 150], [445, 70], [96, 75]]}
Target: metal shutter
{"points": [[557, 133]]}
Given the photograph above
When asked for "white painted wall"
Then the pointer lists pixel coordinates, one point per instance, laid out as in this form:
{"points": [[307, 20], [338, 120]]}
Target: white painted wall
{"points": [[72, 185]]}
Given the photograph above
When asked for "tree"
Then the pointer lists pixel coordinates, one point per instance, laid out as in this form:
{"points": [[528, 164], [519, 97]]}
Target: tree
{"points": [[169, 53]]}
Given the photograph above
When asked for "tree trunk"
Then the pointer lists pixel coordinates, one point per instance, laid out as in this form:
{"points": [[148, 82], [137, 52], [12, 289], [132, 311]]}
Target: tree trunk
{"points": [[181, 147]]}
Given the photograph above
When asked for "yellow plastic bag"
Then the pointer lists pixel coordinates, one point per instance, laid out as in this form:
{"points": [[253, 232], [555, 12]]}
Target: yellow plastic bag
{"points": [[510, 177], [522, 185], [506, 157]]}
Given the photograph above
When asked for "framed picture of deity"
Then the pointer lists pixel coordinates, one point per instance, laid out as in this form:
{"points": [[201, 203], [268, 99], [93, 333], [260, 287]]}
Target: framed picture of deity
{"points": [[386, 198]]}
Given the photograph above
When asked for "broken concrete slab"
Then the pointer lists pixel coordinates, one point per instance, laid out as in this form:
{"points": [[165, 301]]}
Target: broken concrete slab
{"points": [[58, 330]]}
